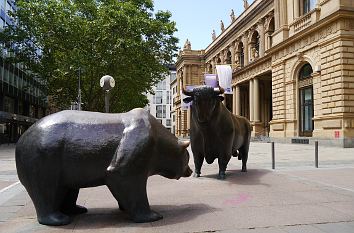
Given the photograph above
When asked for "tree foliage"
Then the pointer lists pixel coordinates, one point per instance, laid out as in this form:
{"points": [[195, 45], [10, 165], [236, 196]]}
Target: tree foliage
{"points": [[121, 38]]}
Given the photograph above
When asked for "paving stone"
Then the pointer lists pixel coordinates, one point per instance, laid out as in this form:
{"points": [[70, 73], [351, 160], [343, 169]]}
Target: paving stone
{"points": [[302, 229], [341, 227]]}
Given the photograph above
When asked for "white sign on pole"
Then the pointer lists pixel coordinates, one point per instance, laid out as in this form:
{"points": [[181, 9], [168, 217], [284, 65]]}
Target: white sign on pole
{"points": [[225, 77]]}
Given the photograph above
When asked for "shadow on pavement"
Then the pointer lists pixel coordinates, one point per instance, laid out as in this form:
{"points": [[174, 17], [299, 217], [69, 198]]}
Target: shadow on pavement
{"points": [[251, 177], [98, 218]]}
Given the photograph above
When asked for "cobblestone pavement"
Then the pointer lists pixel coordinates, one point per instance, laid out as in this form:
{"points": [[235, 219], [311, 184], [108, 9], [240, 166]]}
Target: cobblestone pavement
{"points": [[296, 197]]}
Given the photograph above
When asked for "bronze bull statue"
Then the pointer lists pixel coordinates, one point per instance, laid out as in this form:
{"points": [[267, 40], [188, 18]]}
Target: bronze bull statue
{"points": [[215, 132], [70, 150]]}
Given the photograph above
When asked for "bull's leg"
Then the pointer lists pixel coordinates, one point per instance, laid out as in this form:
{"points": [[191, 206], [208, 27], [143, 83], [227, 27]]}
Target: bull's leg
{"points": [[130, 192], [198, 162], [235, 153], [223, 161], [69, 203], [244, 154]]}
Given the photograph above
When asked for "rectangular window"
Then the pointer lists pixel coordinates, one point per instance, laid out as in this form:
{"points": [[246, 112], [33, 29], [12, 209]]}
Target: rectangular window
{"points": [[20, 107], [20, 81], [158, 97], [168, 122], [6, 74], [9, 104], [11, 77], [308, 5], [172, 76], [160, 111], [1, 72], [161, 85], [168, 97]]}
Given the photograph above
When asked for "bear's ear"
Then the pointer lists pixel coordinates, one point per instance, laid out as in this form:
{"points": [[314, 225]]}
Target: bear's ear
{"points": [[184, 144], [188, 100]]}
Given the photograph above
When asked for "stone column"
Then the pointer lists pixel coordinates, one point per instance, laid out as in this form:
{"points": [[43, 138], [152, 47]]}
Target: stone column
{"points": [[256, 101], [234, 99], [177, 122], [245, 48], [232, 50], [269, 41], [184, 78], [283, 12], [251, 93], [276, 14], [296, 9], [189, 79], [178, 81], [238, 100], [261, 38]]}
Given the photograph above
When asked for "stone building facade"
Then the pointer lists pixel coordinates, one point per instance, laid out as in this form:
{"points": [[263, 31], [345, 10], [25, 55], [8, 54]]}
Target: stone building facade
{"points": [[293, 70]]}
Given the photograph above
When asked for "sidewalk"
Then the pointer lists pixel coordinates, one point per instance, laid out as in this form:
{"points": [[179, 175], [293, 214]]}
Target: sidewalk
{"points": [[296, 197]]}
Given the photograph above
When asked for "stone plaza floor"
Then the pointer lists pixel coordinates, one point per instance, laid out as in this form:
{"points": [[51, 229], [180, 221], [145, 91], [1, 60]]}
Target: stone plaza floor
{"points": [[295, 197]]}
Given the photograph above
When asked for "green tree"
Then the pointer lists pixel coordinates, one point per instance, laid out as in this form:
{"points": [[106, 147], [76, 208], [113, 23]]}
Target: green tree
{"points": [[121, 38]]}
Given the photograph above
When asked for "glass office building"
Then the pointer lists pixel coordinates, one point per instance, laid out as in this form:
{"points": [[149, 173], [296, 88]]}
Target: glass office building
{"points": [[22, 101]]}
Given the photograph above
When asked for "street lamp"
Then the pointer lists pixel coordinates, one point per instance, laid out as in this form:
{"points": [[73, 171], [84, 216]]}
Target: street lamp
{"points": [[79, 94], [107, 83]]}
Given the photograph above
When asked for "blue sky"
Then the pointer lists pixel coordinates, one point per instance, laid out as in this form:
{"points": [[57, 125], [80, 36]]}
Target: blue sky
{"points": [[196, 19]]}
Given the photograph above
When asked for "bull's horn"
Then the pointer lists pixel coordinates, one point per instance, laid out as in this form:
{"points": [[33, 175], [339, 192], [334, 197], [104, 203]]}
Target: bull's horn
{"points": [[186, 92], [219, 90]]}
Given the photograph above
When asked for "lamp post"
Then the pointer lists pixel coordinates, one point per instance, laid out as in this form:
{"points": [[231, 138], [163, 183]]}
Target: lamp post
{"points": [[107, 83], [79, 94]]}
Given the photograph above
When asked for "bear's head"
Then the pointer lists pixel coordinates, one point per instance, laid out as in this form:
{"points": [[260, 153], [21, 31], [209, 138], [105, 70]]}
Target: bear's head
{"points": [[174, 164]]}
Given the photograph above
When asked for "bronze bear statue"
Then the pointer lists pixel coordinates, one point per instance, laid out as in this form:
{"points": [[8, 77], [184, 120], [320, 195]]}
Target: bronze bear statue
{"points": [[69, 150]]}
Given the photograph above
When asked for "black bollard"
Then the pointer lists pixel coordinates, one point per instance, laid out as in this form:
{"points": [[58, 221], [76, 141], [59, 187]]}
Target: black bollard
{"points": [[316, 154], [273, 156]]}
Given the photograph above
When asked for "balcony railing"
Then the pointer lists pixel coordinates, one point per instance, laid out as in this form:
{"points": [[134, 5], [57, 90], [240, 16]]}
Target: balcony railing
{"points": [[305, 21], [302, 23]]}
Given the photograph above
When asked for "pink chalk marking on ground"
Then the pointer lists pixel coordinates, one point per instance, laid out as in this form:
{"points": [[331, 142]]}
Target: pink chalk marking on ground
{"points": [[241, 198]]}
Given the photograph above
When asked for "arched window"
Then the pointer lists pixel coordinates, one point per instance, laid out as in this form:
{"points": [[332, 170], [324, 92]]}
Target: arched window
{"points": [[228, 57], [254, 46], [306, 110], [210, 68], [270, 31], [305, 72]]}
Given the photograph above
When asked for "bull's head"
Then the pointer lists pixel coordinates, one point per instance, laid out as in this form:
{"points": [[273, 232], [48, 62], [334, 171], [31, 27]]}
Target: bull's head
{"points": [[205, 100]]}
